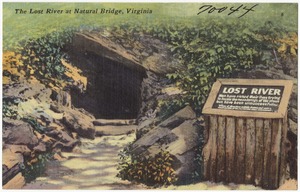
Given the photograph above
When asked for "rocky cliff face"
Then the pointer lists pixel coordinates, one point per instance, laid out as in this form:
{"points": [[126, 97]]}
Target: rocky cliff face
{"points": [[113, 80], [122, 75]]}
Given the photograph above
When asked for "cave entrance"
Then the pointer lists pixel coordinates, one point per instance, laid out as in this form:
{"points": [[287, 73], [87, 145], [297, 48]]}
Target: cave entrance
{"points": [[113, 90]]}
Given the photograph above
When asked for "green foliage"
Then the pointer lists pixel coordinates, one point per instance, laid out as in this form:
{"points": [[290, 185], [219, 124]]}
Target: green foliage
{"points": [[9, 108], [152, 171], [210, 50], [35, 167], [214, 50], [42, 56], [168, 107], [36, 126]]}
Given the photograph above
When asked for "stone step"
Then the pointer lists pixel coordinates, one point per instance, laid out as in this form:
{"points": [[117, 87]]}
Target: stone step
{"points": [[114, 130], [103, 122]]}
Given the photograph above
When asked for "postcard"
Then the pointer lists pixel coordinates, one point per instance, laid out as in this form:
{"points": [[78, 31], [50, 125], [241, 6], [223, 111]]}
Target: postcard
{"points": [[161, 95]]}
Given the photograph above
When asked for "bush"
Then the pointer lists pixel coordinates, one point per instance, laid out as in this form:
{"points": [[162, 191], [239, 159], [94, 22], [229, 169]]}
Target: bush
{"points": [[215, 50], [41, 57], [168, 107], [152, 171], [35, 167], [10, 108]]}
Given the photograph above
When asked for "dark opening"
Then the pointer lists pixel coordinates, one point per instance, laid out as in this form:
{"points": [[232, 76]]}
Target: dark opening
{"points": [[113, 90]]}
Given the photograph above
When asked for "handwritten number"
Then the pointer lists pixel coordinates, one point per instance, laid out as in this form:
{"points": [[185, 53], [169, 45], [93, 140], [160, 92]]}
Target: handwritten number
{"points": [[210, 9], [248, 10], [234, 10], [204, 6]]}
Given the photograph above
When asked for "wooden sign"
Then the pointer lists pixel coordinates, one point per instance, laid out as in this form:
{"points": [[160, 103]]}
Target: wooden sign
{"points": [[249, 98], [246, 125]]}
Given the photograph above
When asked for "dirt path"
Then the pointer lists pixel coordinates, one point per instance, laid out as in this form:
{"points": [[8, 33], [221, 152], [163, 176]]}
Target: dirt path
{"points": [[92, 165]]}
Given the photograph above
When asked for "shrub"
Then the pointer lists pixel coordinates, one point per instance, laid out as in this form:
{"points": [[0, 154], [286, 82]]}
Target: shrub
{"points": [[42, 56], [168, 107], [36, 166], [213, 51], [10, 108], [152, 171]]}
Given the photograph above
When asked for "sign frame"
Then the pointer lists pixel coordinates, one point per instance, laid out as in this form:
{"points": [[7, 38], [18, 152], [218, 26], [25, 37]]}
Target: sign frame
{"points": [[282, 108]]}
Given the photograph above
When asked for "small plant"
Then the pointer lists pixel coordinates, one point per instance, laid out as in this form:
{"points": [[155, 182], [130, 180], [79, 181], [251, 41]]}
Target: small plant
{"points": [[289, 45], [32, 168], [35, 124], [169, 107], [9, 108], [152, 171]]}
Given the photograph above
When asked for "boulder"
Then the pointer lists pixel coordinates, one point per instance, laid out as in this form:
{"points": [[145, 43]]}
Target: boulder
{"points": [[179, 135], [64, 98], [149, 139], [12, 155], [11, 162], [79, 122], [65, 147], [144, 127], [25, 90], [187, 134], [38, 110], [98, 44], [41, 147], [178, 118], [181, 146], [17, 182], [19, 133], [59, 138], [21, 149]]}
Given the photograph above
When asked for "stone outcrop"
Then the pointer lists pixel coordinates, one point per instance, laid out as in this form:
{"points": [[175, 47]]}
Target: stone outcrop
{"points": [[98, 44], [13, 159], [142, 52], [80, 123], [18, 133], [38, 127], [179, 135]]}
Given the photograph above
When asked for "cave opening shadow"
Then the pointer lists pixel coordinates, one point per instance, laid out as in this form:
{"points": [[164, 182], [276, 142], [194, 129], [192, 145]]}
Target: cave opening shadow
{"points": [[113, 90]]}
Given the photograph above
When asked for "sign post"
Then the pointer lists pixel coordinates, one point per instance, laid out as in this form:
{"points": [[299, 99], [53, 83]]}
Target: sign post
{"points": [[246, 122]]}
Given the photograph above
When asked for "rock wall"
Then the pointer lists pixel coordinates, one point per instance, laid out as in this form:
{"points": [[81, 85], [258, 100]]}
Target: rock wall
{"points": [[44, 124], [124, 75]]}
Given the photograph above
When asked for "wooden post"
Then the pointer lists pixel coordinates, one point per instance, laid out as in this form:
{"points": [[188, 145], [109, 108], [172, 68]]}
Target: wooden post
{"points": [[230, 163], [250, 151], [221, 149], [259, 152], [240, 151]]}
